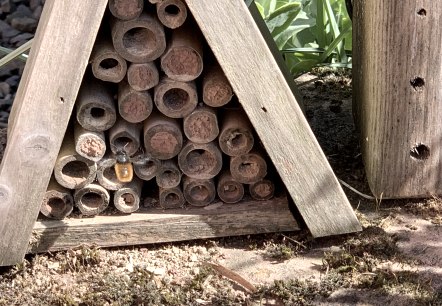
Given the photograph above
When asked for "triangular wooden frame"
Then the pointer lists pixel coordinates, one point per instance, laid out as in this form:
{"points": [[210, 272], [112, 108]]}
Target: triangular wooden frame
{"points": [[48, 90]]}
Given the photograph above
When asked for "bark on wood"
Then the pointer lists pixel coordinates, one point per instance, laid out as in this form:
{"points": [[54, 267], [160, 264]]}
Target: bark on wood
{"points": [[126, 9], [58, 202], [125, 136], [139, 40], [171, 13], [107, 64], [95, 105], [236, 136], [163, 138], [175, 99], [91, 199], [127, 198], [397, 95], [262, 190], [169, 175], [198, 192], [217, 91], [88, 144], [133, 106], [200, 161], [148, 170], [143, 76], [72, 170], [106, 173], [183, 59], [248, 168], [171, 198], [201, 126], [229, 190]]}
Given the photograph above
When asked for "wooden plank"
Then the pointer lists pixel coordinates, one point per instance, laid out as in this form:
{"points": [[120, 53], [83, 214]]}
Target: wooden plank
{"points": [[250, 65], [157, 225], [400, 121], [41, 112]]}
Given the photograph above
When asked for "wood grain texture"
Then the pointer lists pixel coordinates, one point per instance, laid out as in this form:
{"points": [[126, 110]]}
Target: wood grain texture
{"points": [[394, 43], [156, 225], [250, 62], [41, 112]]}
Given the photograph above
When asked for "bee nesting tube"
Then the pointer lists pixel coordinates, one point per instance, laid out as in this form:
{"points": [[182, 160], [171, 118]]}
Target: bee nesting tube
{"points": [[163, 138], [201, 126], [57, 202], [198, 192], [171, 13], [171, 197], [262, 190], [183, 59], [175, 99], [95, 106], [90, 145], [143, 76], [236, 136], [229, 190], [127, 198], [126, 9], [133, 106], [125, 137], [200, 161], [217, 91], [107, 64], [139, 40], [148, 170], [91, 199], [106, 173], [248, 168], [169, 175], [72, 170]]}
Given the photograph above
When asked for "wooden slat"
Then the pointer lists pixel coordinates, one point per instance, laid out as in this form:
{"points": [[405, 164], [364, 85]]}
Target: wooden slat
{"points": [[395, 117], [41, 112], [155, 225], [249, 63]]}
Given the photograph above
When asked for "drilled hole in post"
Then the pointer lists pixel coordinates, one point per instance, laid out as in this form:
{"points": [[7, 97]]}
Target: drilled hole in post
{"points": [[418, 83], [420, 152], [422, 12]]}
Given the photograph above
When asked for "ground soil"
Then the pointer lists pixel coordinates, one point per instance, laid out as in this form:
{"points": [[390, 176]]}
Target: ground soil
{"points": [[395, 260]]}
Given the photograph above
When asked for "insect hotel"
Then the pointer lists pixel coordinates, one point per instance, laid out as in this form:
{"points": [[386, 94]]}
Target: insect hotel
{"points": [[141, 122]]}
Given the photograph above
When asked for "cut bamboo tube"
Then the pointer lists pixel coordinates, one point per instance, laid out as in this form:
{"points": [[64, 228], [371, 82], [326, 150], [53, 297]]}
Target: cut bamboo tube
{"points": [[72, 170], [127, 198], [171, 198], [148, 170], [57, 202], [198, 192], [143, 76], [229, 190], [248, 168], [91, 199], [163, 138], [201, 126], [262, 190], [200, 161], [175, 99], [95, 106], [216, 87], [90, 145], [236, 137], [169, 175], [183, 59], [106, 173], [126, 9], [133, 106], [139, 40], [107, 64], [125, 137], [171, 13]]}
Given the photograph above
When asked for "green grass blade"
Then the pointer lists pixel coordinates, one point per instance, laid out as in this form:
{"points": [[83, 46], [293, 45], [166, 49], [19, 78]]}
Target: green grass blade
{"points": [[335, 30], [287, 8], [17, 53], [335, 43]]}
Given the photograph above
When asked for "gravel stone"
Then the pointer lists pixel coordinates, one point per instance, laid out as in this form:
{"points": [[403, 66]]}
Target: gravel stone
{"points": [[24, 24]]}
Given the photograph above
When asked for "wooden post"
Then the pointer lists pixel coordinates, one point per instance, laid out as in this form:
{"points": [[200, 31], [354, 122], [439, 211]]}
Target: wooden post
{"points": [[200, 161], [198, 192], [201, 126], [256, 71], [217, 91], [171, 198], [236, 136], [107, 64], [262, 190], [172, 13], [229, 190], [57, 202], [143, 76], [133, 106], [127, 198], [169, 175], [126, 9], [31, 151], [91, 199], [88, 144], [397, 95]]}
